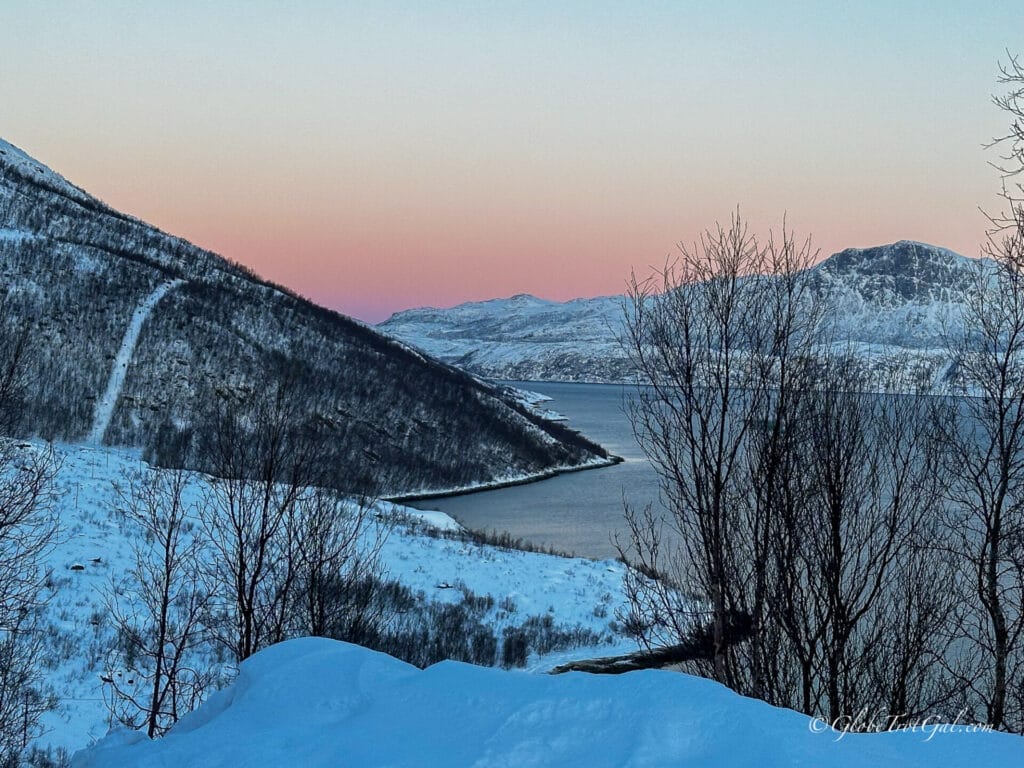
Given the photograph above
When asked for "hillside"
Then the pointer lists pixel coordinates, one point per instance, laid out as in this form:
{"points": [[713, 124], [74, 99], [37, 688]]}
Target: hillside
{"points": [[316, 702], [479, 588], [892, 299], [522, 338], [136, 336]]}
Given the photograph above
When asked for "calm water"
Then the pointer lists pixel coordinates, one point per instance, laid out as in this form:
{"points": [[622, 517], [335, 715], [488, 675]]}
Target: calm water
{"points": [[578, 512]]}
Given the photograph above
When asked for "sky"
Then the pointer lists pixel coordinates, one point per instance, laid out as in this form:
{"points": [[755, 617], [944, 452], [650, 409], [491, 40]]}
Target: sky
{"points": [[382, 156]]}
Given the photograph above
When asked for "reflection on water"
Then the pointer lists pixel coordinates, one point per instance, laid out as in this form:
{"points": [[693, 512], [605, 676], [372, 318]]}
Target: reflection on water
{"points": [[578, 512]]}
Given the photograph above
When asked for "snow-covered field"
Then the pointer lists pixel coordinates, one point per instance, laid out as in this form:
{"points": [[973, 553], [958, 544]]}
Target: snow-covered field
{"points": [[315, 702], [95, 552]]}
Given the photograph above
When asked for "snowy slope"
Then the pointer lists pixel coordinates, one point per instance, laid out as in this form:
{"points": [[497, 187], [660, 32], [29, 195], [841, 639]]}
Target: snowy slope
{"points": [[392, 421], [20, 162], [522, 338], [105, 405], [317, 702], [94, 554], [906, 295], [891, 299]]}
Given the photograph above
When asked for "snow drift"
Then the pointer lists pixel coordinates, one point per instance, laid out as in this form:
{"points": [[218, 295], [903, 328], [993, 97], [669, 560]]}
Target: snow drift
{"points": [[316, 702]]}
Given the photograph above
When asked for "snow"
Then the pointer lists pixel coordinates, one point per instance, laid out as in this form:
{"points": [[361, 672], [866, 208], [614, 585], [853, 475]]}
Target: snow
{"points": [[27, 165], [510, 478], [15, 235], [901, 299], [533, 401], [434, 519], [316, 702], [105, 405], [423, 552], [522, 337]]}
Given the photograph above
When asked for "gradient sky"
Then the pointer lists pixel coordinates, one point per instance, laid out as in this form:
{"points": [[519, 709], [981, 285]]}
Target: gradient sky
{"points": [[376, 156]]}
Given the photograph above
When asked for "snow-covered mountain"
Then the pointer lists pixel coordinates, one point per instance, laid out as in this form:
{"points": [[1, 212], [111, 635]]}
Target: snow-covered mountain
{"points": [[134, 335], [522, 338], [893, 298], [905, 296]]}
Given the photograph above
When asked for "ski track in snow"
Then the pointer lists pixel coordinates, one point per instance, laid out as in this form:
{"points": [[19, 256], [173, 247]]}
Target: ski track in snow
{"points": [[105, 405]]}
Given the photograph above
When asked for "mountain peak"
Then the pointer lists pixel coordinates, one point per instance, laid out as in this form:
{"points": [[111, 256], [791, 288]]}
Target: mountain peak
{"points": [[525, 299], [906, 271], [904, 295], [901, 257]]}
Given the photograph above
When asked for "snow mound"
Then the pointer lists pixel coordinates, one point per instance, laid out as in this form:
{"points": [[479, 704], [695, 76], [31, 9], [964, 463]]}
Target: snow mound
{"points": [[316, 702], [434, 519]]}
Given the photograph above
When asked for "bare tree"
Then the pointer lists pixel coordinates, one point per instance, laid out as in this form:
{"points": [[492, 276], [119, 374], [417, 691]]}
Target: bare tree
{"points": [[158, 611], [872, 484], [716, 338], [28, 529], [982, 437], [339, 554], [793, 490], [982, 440], [914, 666], [790, 326], [327, 550], [1011, 162], [15, 372], [263, 462]]}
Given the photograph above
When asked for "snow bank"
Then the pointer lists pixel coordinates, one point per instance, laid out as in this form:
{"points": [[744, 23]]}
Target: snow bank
{"points": [[318, 702], [433, 518]]}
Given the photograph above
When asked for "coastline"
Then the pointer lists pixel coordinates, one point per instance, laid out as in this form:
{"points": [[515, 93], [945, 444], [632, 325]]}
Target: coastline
{"points": [[547, 474]]}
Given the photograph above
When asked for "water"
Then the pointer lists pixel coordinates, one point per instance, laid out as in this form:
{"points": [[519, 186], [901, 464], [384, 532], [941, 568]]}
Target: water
{"points": [[579, 512]]}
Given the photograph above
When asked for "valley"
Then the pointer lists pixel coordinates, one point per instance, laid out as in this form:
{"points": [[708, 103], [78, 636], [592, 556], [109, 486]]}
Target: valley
{"points": [[512, 385]]}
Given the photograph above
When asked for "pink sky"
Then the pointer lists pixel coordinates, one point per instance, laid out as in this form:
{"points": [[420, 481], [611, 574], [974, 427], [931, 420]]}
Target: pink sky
{"points": [[376, 160]]}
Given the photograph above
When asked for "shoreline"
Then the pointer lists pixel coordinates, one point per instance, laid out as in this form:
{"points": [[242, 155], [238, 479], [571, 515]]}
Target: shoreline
{"points": [[536, 477]]}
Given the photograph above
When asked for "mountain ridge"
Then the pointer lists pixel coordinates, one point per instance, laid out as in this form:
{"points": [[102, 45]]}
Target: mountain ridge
{"points": [[898, 297], [75, 271]]}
